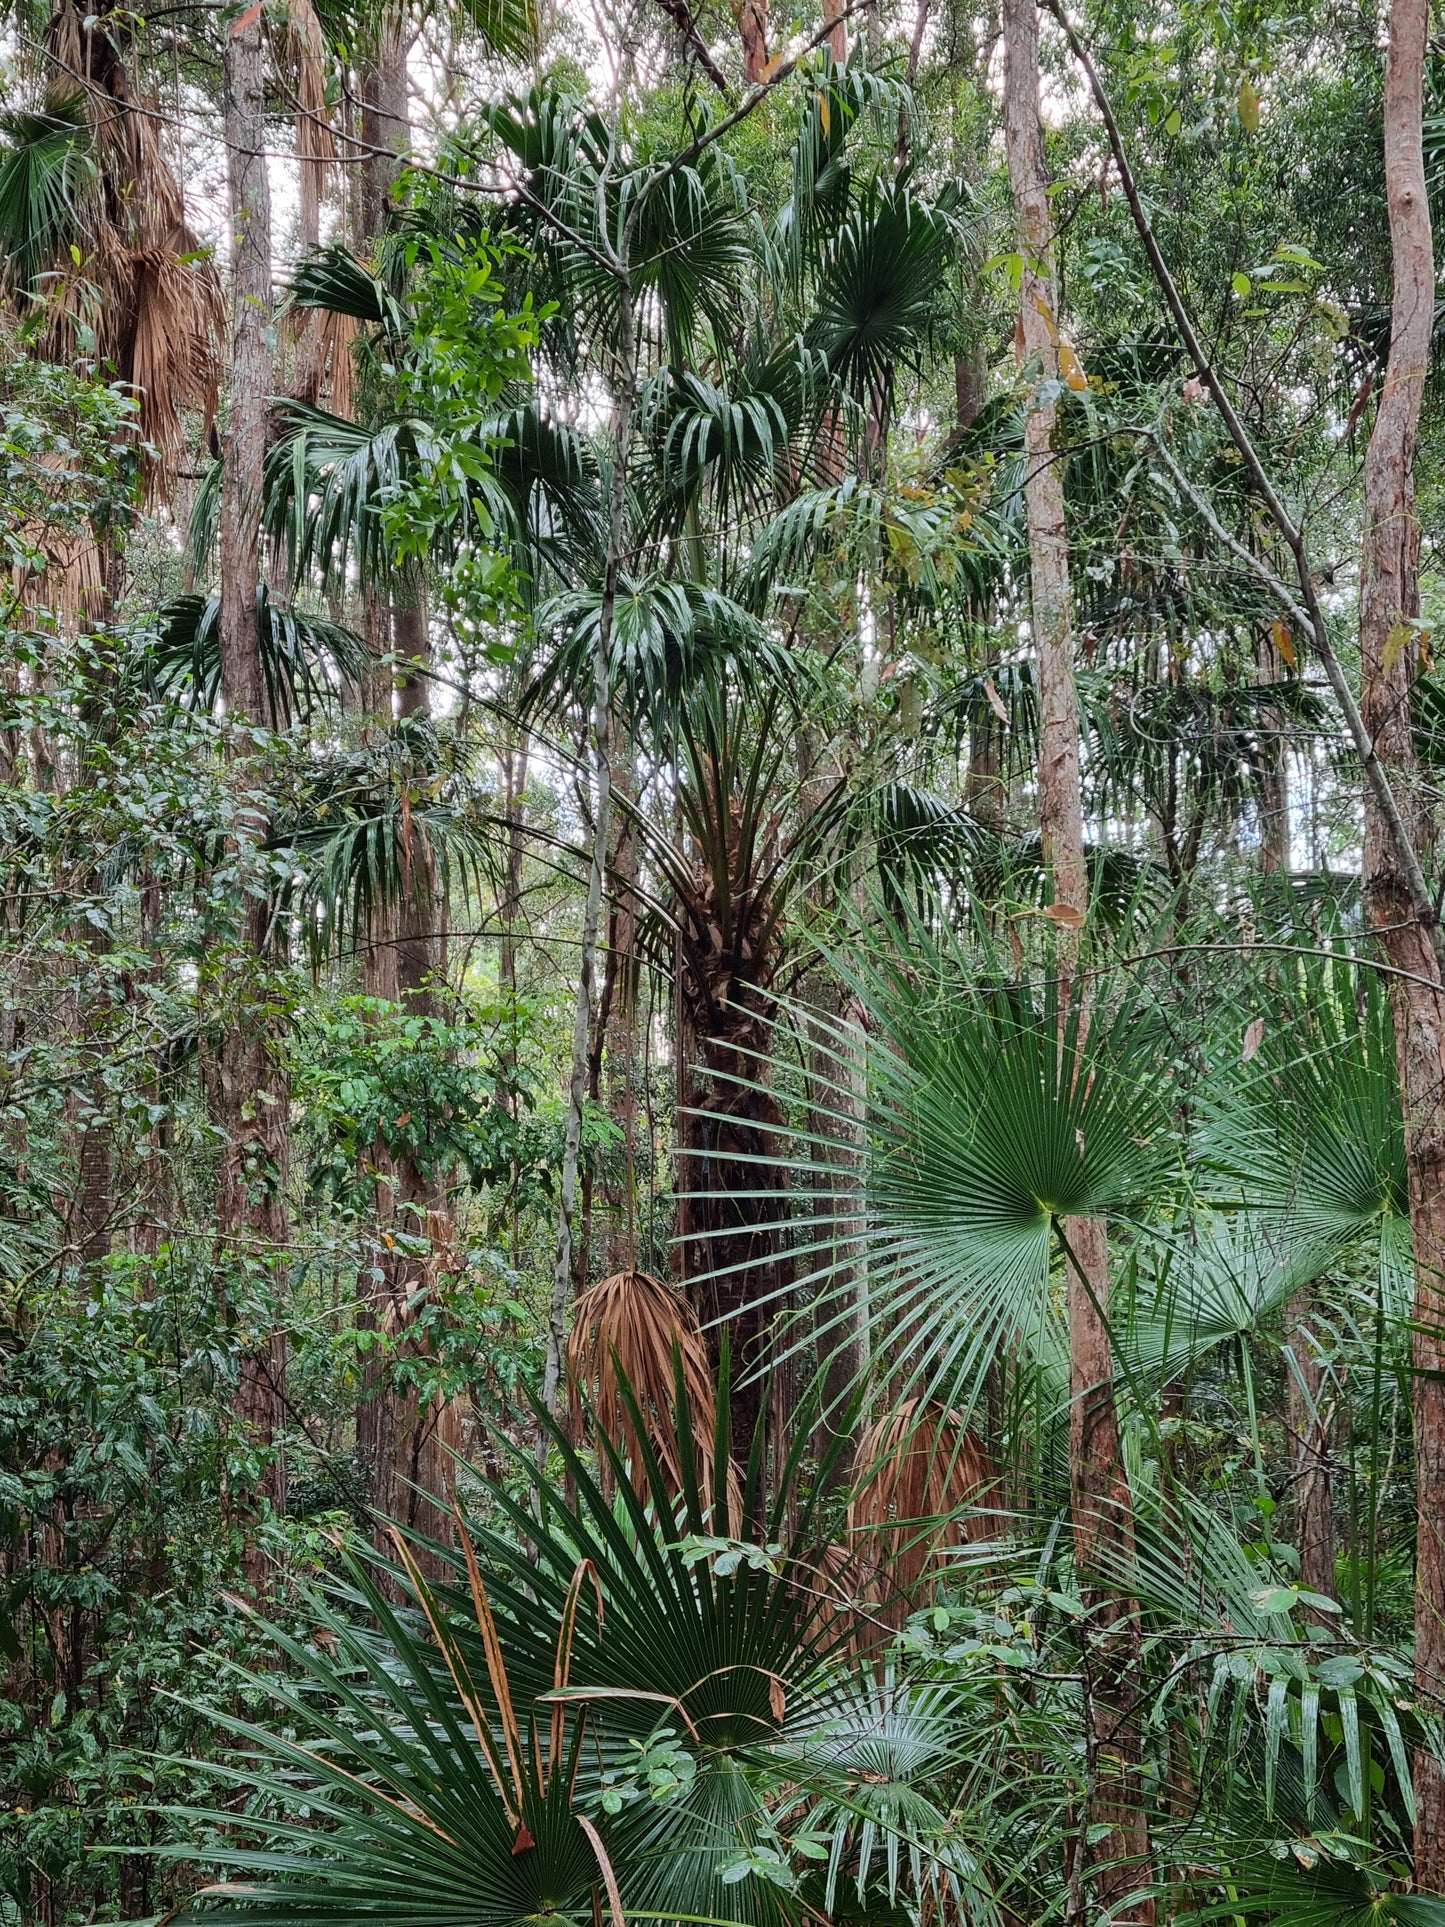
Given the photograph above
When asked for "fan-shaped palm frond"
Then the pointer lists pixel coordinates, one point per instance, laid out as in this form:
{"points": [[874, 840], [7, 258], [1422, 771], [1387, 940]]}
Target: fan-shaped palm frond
{"points": [[991, 1126], [669, 639], [877, 299], [327, 483], [631, 1331], [1312, 1134], [388, 826], [303, 657], [47, 170], [332, 278], [389, 1798]]}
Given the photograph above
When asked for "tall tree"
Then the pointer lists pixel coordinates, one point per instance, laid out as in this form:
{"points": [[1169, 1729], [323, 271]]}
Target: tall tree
{"points": [[1390, 662], [248, 1080], [1102, 1514]]}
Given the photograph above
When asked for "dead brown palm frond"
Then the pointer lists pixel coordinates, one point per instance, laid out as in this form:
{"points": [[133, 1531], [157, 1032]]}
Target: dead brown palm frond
{"points": [[922, 1476], [137, 279], [63, 576], [324, 370], [304, 46], [631, 1330]]}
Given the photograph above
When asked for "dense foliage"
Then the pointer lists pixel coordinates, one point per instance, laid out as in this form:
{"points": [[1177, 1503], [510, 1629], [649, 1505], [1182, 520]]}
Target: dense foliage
{"points": [[723, 1186]]}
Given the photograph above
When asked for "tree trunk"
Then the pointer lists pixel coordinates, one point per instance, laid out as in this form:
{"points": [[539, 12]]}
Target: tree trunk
{"points": [[1310, 1434], [752, 19], [837, 41], [402, 1439], [623, 405], [385, 122], [248, 1083], [1274, 838], [622, 1054], [1102, 1514], [1389, 654], [729, 1194]]}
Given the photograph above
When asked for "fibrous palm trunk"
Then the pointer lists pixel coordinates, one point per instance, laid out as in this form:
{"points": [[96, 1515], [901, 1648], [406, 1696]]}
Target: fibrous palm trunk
{"points": [[1102, 1514], [1389, 653], [729, 1195], [247, 1078]]}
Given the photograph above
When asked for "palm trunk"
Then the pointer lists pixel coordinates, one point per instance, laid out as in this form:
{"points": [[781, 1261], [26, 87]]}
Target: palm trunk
{"points": [[1389, 653], [248, 1081], [1274, 841], [385, 122], [730, 1253], [402, 1439], [1102, 1513]]}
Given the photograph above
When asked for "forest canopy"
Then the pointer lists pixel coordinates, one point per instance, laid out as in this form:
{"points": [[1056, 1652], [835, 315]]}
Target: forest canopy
{"points": [[722, 994]]}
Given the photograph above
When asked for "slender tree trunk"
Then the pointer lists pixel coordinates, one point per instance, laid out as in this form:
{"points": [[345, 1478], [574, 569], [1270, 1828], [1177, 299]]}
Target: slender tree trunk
{"points": [[385, 120], [752, 19], [622, 1054], [1102, 1514], [1310, 1433], [837, 42], [402, 1438], [248, 1082], [624, 402], [1274, 842], [1390, 658]]}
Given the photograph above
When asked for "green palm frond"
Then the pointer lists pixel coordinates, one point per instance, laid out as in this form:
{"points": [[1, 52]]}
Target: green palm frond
{"points": [[385, 826], [1311, 1132], [670, 640], [878, 298], [377, 1795], [303, 657], [46, 170], [327, 482], [332, 279]]}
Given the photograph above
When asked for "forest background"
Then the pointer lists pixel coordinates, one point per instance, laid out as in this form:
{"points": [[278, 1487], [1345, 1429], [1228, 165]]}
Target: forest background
{"points": [[721, 1029]]}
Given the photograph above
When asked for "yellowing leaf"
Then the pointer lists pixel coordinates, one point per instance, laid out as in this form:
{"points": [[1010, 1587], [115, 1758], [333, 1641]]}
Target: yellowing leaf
{"points": [[995, 701], [1395, 643], [1047, 312], [825, 114], [1282, 638], [1071, 369], [1248, 106], [1253, 1038]]}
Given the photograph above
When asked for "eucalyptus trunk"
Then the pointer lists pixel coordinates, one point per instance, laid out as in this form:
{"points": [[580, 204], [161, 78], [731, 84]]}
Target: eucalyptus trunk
{"points": [[1390, 661], [1102, 1514], [247, 1078]]}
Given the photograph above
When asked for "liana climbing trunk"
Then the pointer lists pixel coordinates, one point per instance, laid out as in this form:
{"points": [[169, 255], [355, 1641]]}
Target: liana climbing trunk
{"points": [[1390, 661], [1102, 1515]]}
